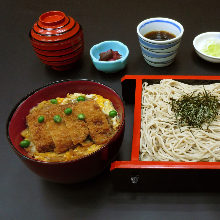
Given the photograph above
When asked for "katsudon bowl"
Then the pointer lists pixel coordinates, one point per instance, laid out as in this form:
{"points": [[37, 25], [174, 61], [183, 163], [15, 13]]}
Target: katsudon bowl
{"points": [[76, 170]]}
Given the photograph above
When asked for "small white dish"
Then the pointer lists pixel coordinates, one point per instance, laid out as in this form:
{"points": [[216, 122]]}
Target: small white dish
{"points": [[201, 40]]}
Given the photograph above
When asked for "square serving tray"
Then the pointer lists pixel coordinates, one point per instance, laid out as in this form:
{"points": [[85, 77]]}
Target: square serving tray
{"points": [[134, 171]]}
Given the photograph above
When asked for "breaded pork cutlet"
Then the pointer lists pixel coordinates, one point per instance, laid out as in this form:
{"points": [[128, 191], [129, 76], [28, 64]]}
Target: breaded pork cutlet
{"points": [[99, 128], [40, 136], [58, 131], [77, 129]]}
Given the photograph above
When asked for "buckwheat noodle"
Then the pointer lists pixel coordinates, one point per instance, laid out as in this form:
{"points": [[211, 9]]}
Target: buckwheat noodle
{"points": [[162, 139]]}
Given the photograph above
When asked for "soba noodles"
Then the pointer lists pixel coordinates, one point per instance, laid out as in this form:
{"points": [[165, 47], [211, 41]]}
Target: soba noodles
{"points": [[162, 139]]}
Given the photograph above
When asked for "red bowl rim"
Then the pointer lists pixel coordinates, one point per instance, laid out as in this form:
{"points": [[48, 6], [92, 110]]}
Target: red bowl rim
{"points": [[48, 85]]}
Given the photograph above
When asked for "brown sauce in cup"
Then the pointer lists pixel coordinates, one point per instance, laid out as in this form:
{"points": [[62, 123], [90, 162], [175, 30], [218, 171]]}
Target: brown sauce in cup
{"points": [[159, 35]]}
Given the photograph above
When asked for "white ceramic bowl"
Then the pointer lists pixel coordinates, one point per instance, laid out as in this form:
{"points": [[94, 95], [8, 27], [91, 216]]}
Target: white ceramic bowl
{"points": [[159, 53], [200, 41]]}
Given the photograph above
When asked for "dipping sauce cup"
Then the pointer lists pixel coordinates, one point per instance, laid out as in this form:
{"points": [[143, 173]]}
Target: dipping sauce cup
{"points": [[159, 53]]}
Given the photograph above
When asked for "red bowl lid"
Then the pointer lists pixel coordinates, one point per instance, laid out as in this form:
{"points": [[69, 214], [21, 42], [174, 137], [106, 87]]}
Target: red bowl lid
{"points": [[56, 37], [68, 24], [54, 26], [52, 19]]}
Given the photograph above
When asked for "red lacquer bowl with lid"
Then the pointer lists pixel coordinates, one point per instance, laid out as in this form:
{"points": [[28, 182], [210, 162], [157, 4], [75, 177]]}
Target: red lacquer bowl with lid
{"points": [[57, 40]]}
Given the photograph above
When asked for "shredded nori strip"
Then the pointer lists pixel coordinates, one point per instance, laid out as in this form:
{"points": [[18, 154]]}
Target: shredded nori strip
{"points": [[195, 110]]}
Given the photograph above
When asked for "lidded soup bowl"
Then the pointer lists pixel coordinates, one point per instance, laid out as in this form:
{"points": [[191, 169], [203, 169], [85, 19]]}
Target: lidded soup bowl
{"points": [[57, 40]]}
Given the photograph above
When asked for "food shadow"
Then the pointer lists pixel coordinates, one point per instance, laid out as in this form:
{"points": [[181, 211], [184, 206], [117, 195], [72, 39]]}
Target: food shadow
{"points": [[205, 66], [108, 77], [81, 194], [71, 72]]}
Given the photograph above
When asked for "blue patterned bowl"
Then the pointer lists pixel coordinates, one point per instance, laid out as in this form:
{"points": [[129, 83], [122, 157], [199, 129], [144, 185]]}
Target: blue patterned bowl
{"points": [[109, 66], [159, 53]]}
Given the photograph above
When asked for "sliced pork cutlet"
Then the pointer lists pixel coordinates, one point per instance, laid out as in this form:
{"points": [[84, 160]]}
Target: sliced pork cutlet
{"points": [[77, 129], [58, 131], [40, 136], [99, 128]]}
